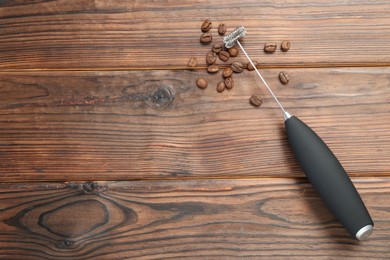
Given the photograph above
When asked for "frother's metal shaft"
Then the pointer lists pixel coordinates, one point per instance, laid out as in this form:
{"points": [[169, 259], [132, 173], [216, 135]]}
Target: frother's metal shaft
{"points": [[286, 115]]}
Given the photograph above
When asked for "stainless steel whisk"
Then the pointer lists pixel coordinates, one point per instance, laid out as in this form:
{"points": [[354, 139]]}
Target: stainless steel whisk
{"points": [[320, 165]]}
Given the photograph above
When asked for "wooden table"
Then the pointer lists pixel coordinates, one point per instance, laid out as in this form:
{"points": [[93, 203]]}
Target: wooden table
{"points": [[108, 150]]}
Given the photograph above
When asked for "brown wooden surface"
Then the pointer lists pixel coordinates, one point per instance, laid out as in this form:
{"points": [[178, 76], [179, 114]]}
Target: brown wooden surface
{"points": [[102, 34], [99, 91], [109, 126], [212, 219]]}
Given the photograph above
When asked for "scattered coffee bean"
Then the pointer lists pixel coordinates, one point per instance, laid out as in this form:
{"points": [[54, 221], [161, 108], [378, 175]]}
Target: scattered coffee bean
{"points": [[211, 57], [213, 68], [237, 67], [283, 77], [256, 100], [233, 51], [206, 25], [229, 83], [285, 46], [193, 62], [270, 47], [206, 38], [217, 48], [227, 72], [222, 29], [221, 87], [250, 67], [224, 56], [201, 83]]}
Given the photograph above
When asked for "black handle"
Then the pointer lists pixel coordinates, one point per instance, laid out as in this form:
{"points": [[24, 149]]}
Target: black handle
{"points": [[329, 178]]}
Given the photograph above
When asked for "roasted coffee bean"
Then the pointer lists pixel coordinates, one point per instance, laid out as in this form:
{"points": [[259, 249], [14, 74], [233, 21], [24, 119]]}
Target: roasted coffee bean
{"points": [[221, 87], [206, 38], [227, 72], [193, 62], [217, 48], [201, 83], [224, 56], [237, 66], [285, 45], [206, 25], [213, 68], [211, 57], [222, 29], [250, 67], [233, 51], [256, 100], [283, 77], [229, 83], [270, 47]]}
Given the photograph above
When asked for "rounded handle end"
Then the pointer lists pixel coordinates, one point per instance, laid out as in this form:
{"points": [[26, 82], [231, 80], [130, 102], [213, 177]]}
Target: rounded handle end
{"points": [[364, 232]]}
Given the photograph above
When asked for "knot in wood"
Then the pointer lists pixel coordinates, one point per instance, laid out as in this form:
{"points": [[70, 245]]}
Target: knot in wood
{"points": [[65, 244], [89, 186], [68, 243], [161, 97]]}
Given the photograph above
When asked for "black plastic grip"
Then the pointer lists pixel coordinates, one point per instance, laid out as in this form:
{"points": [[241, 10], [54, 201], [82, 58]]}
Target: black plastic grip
{"points": [[327, 176]]}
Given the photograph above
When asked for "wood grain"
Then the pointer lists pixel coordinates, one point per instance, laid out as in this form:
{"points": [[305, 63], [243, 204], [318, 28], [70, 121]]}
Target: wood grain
{"points": [[208, 219], [102, 34], [158, 124], [93, 92]]}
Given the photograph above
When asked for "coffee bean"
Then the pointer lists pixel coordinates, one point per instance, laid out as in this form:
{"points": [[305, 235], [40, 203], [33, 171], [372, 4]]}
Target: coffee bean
{"points": [[227, 72], [283, 77], [256, 100], [206, 25], [237, 67], [270, 47], [224, 56], [221, 87], [250, 67], [233, 51], [193, 62], [211, 57], [213, 68], [285, 46], [229, 83], [222, 29], [217, 48], [206, 38], [201, 83]]}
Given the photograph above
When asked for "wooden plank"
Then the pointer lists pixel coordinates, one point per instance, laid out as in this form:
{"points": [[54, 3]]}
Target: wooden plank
{"points": [[69, 34], [158, 124], [211, 219]]}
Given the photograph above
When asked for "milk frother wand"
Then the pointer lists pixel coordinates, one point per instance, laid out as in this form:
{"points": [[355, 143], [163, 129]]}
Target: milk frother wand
{"points": [[320, 165]]}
